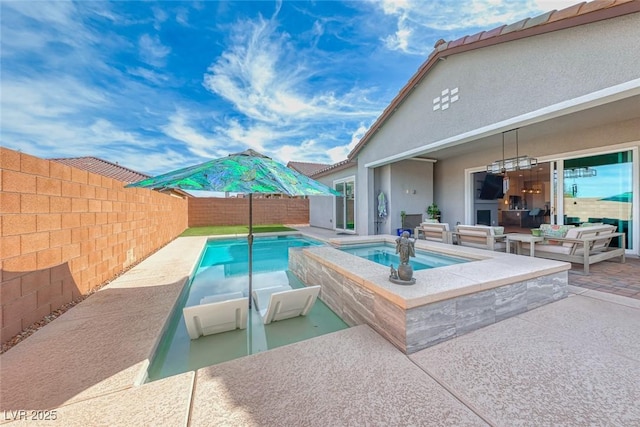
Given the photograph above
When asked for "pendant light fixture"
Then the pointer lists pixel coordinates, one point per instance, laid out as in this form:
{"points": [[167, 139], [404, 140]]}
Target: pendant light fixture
{"points": [[513, 163]]}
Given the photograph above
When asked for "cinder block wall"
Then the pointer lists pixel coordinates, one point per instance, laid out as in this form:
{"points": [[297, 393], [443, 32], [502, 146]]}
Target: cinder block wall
{"points": [[585, 208], [65, 231], [235, 211]]}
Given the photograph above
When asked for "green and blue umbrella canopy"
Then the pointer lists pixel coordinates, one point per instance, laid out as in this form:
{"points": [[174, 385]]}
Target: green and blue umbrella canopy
{"points": [[247, 172]]}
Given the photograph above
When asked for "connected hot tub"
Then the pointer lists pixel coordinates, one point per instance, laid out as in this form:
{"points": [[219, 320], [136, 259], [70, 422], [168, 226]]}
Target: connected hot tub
{"points": [[445, 302]]}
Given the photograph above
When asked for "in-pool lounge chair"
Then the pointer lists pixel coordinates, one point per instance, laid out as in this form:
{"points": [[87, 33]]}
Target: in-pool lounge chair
{"points": [[282, 302], [216, 314]]}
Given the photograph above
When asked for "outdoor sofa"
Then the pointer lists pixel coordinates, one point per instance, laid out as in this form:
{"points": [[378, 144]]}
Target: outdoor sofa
{"points": [[433, 231], [586, 245], [482, 237]]}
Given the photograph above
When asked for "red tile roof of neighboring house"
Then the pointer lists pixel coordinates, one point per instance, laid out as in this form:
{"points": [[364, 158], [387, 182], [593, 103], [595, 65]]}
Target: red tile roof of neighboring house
{"points": [[344, 164], [573, 16], [103, 167], [307, 169]]}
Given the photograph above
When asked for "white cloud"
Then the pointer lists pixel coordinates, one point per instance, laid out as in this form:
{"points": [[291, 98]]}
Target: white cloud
{"points": [[418, 22], [266, 79], [61, 116], [149, 75], [271, 84], [547, 5], [182, 16], [160, 16], [33, 26], [179, 129], [340, 153], [50, 98], [152, 51]]}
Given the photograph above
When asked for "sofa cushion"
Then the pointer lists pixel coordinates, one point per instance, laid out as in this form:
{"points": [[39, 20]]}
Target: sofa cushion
{"points": [[556, 249], [551, 231]]}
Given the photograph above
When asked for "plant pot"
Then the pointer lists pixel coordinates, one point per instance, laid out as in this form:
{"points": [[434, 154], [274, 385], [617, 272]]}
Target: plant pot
{"points": [[399, 231]]}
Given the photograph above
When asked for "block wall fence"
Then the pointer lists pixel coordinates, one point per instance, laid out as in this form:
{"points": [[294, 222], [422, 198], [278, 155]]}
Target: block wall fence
{"points": [[65, 231], [235, 211]]}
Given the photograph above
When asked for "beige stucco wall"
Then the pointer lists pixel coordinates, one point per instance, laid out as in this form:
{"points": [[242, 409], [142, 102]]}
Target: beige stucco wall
{"points": [[321, 207], [509, 79], [499, 83]]}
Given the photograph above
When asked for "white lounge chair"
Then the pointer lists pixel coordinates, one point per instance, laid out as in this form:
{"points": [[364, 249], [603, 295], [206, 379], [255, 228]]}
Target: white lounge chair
{"points": [[216, 317], [279, 303], [221, 297]]}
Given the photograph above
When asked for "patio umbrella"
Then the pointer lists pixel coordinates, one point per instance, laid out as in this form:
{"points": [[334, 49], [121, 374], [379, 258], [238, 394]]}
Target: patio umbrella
{"points": [[247, 172]]}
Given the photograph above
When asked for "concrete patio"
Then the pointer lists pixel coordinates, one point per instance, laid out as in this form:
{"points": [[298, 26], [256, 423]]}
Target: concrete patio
{"points": [[572, 362]]}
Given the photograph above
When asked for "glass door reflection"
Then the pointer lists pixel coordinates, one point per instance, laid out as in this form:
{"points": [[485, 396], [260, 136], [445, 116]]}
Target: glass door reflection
{"points": [[598, 189]]}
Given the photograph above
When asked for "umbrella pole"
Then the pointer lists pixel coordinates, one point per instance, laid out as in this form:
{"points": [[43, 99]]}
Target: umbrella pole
{"points": [[250, 241]]}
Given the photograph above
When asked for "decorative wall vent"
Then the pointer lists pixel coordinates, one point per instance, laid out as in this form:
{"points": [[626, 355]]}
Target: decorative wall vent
{"points": [[446, 98]]}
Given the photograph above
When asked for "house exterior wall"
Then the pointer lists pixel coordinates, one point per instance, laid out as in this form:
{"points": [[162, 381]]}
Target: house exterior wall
{"points": [[512, 78], [411, 190], [66, 231], [321, 208], [321, 212], [495, 85]]}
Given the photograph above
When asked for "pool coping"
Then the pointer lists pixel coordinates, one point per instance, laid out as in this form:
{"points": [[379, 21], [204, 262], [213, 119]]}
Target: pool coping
{"points": [[444, 303], [489, 270], [180, 400]]}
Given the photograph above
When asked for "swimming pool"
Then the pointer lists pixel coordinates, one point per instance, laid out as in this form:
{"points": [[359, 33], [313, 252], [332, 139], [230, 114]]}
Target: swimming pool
{"points": [[223, 268], [385, 254]]}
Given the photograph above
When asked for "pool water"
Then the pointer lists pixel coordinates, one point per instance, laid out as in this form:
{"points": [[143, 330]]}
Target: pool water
{"points": [[385, 254], [223, 268]]}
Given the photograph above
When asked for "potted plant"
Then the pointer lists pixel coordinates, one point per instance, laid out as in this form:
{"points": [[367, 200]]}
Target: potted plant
{"points": [[433, 211]]}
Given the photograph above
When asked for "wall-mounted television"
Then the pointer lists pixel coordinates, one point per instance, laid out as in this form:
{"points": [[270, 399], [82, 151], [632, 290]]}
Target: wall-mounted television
{"points": [[491, 187]]}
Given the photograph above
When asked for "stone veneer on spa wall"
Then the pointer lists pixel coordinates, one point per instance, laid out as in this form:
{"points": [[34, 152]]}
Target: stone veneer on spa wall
{"points": [[446, 302]]}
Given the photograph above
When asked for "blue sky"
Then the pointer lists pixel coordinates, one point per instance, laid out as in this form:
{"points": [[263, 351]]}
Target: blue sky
{"points": [[156, 86], [611, 180]]}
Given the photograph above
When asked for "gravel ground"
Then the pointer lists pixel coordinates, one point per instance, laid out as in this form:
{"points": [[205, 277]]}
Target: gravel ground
{"points": [[61, 310], [44, 321]]}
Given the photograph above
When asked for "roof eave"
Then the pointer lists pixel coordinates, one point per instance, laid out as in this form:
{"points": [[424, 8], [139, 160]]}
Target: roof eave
{"points": [[437, 55]]}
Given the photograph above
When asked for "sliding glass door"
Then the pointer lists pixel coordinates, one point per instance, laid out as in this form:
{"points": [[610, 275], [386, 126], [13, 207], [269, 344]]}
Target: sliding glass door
{"points": [[599, 189], [345, 218]]}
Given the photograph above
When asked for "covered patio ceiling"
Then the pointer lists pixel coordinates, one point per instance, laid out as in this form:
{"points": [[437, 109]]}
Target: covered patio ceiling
{"points": [[613, 112]]}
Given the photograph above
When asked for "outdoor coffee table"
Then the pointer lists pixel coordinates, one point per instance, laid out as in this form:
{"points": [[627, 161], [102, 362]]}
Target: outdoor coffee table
{"points": [[518, 238]]}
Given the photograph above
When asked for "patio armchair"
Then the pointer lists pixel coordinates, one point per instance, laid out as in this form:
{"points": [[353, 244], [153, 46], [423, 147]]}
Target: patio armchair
{"points": [[482, 237], [435, 232]]}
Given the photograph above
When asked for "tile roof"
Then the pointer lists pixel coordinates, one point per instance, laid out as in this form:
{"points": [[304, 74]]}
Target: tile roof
{"points": [[344, 164], [103, 167], [307, 169], [572, 16]]}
